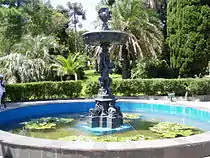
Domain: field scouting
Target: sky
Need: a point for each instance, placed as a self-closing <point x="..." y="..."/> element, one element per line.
<point x="88" y="5"/>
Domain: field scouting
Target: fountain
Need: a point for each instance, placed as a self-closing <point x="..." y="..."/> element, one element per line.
<point x="105" y="114"/>
<point x="105" y="117"/>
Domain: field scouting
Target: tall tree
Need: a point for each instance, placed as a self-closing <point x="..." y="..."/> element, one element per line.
<point x="143" y="26"/>
<point x="40" y="18"/>
<point x="188" y="36"/>
<point x="13" y="19"/>
<point x="160" y="6"/>
<point x="20" y="17"/>
<point x="76" y="11"/>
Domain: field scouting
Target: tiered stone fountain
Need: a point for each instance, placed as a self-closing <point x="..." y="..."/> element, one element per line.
<point x="105" y="114"/>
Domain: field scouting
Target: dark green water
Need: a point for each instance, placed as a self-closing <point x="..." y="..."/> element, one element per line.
<point x="68" y="132"/>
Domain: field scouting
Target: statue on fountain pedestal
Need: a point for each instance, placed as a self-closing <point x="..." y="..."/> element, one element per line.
<point x="105" y="68"/>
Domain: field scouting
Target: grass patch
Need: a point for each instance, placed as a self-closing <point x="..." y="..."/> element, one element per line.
<point x="92" y="75"/>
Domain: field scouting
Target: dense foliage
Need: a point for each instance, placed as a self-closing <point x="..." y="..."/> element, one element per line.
<point x="69" y="66"/>
<point x="188" y="36"/>
<point x="151" y="68"/>
<point x="32" y="34"/>
<point x="144" y="29"/>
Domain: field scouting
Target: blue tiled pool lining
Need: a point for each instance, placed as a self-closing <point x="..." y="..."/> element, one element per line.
<point x="162" y="112"/>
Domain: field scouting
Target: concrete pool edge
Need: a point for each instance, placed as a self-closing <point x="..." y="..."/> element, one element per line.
<point x="17" y="146"/>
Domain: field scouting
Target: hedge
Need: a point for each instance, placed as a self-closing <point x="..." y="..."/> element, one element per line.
<point x="74" y="89"/>
<point x="154" y="87"/>
<point x="43" y="90"/>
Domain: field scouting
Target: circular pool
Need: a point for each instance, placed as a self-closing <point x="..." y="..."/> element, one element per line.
<point x="192" y="114"/>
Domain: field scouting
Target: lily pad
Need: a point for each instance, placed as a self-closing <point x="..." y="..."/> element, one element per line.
<point x="46" y="123"/>
<point x="173" y="130"/>
<point x="106" y="139"/>
<point x="131" y="116"/>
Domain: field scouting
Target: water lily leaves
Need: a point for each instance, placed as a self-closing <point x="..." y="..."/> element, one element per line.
<point x="131" y="116"/>
<point x="173" y="130"/>
<point x="46" y="123"/>
<point x="106" y="139"/>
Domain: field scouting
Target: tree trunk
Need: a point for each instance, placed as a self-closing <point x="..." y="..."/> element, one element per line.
<point x="68" y="77"/>
<point x="153" y="3"/>
<point x="75" y="31"/>
<point x="76" y="77"/>
<point x="17" y="76"/>
<point x="96" y="65"/>
<point x="126" y="71"/>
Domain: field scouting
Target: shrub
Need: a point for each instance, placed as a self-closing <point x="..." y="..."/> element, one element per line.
<point x="73" y="89"/>
<point x="199" y="86"/>
<point x="151" y="68"/>
<point x="43" y="90"/>
<point x="156" y="87"/>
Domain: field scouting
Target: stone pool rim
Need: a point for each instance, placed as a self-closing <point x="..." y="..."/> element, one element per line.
<point x="45" y="145"/>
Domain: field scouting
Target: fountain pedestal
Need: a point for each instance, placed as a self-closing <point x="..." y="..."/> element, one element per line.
<point x="105" y="114"/>
<point x="93" y="121"/>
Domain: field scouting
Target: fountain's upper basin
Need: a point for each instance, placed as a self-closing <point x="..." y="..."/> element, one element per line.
<point x="105" y="37"/>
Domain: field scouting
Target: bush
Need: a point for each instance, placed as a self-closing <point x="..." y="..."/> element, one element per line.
<point x="151" y="68"/>
<point x="199" y="86"/>
<point x="153" y="87"/>
<point x="73" y="89"/>
<point x="43" y="90"/>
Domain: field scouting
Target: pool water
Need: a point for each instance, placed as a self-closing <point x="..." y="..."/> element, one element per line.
<point x="140" y="126"/>
<point x="151" y="114"/>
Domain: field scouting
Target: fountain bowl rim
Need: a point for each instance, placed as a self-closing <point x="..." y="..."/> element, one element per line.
<point x="105" y="31"/>
<point x="106" y="34"/>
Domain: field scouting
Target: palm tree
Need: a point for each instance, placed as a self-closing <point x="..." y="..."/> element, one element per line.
<point x="30" y="59"/>
<point x="37" y="47"/>
<point x="143" y="26"/>
<point x="22" y="68"/>
<point x="68" y="66"/>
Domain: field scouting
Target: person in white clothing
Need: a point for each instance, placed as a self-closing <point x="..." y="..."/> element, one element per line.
<point x="1" y="94"/>
<point x="2" y="90"/>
